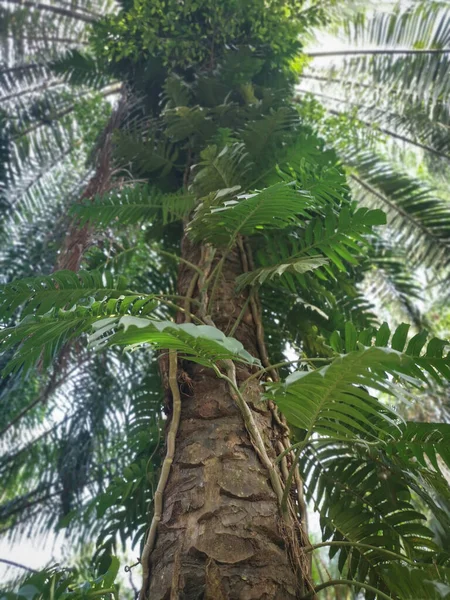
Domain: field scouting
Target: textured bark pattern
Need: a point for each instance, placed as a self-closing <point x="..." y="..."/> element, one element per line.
<point x="220" y="537"/>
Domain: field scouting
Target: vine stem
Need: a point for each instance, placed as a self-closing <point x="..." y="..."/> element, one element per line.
<point x="240" y="317"/>
<point x="287" y="488"/>
<point x="165" y="471"/>
<point x="189" y="294"/>
<point x="252" y="428"/>
<point x="333" y="582"/>
<point x="182" y="260"/>
<point x="360" y="545"/>
<point x="188" y="314"/>
<point x="207" y="256"/>
<point x="284" y="363"/>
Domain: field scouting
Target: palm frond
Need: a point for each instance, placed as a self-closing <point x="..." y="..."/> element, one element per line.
<point x="331" y="238"/>
<point x="140" y="203"/>
<point x="421" y="219"/>
<point x="420" y="27"/>
<point x="277" y="206"/>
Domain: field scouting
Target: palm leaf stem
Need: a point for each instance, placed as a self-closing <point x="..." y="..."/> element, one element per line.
<point x="11" y="457"/>
<point x="107" y="91"/>
<point x="336" y="80"/>
<point x="11" y="563"/>
<point x="375" y="52"/>
<point x="49" y="388"/>
<point x="38" y="88"/>
<point x="388" y="132"/>
<point x="53" y="40"/>
<point x="65" y="12"/>
<point x="395" y="208"/>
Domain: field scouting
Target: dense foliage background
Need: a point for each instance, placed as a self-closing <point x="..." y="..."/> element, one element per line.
<point x="115" y="120"/>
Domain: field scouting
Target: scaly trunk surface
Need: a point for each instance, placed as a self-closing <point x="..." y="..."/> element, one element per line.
<point x="221" y="534"/>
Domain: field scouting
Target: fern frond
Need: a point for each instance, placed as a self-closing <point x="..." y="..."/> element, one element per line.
<point x="364" y="500"/>
<point x="421" y="356"/>
<point x="410" y="583"/>
<point x="147" y="155"/>
<point x="331" y="238"/>
<point x="185" y="122"/>
<point x="61" y="290"/>
<point x="134" y="205"/>
<point x="333" y="401"/>
<point x="221" y="169"/>
<point x="295" y="265"/>
<point x="275" y="207"/>
<point x="428" y="443"/>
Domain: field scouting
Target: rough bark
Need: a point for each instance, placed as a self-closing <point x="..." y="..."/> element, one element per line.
<point x="221" y="536"/>
<point x="78" y="239"/>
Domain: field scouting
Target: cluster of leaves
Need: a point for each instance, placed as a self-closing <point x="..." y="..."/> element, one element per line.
<point x="64" y="585"/>
<point x="212" y="127"/>
<point x="197" y="33"/>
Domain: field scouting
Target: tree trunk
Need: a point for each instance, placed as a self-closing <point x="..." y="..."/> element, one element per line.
<point x="221" y="535"/>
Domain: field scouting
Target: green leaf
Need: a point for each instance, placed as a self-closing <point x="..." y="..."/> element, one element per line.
<point x="295" y="265"/>
<point x="333" y="400"/>
<point x="62" y="289"/>
<point x="200" y="343"/>
<point x="275" y="207"/>
<point x="140" y="203"/>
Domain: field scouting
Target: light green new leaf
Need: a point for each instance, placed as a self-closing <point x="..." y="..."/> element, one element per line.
<point x="200" y="343"/>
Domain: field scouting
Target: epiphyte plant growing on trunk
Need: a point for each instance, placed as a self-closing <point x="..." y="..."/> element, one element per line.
<point x="231" y="212"/>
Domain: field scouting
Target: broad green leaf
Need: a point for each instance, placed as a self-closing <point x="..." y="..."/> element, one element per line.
<point x="200" y="343"/>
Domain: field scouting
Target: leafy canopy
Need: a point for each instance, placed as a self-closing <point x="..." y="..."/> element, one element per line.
<point x="207" y="140"/>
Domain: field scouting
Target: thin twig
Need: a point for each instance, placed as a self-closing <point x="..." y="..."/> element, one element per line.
<point x="182" y="260"/>
<point x="18" y="565"/>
